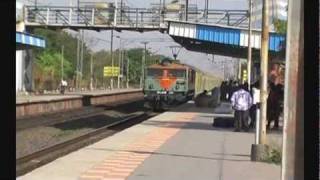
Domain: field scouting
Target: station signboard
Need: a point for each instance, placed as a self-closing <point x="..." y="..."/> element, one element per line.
<point x="109" y="71"/>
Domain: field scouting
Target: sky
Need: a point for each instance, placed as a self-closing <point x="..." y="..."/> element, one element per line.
<point x="201" y="61"/>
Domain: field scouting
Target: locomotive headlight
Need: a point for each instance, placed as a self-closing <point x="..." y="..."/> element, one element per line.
<point x="180" y="85"/>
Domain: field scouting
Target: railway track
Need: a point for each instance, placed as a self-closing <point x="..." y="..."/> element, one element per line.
<point x="36" y="159"/>
<point x="59" y="117"/>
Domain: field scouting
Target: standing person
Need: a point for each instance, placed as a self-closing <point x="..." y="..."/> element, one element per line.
<point x="253" y="108"/>
<point x="280" y="88"/>
<point x="223" y="91"/>
<point x="63" y="86"/>
<point x="241" y="101"/>
<point x="228" y="90"/>
<point x="234" y="87"/>
<point x="274" y="105"/>
<point x="246" y="86"/>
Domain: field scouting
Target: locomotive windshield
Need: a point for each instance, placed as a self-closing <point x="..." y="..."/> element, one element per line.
<point x="177" y="73"/>
<point x="154" y="72"/>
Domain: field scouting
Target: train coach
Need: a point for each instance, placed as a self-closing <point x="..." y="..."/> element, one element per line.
<point x="168" y="84"/>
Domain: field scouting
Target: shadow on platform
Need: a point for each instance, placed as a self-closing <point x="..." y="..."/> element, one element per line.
<point x="188" y="125"/>
<point x="220" y="126"/>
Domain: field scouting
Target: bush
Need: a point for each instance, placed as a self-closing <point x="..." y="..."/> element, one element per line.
<point x="274" y="156"/>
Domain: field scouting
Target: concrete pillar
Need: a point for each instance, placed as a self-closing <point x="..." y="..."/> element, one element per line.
<point x="19" y="70"/>
<point x="27" y="79"/>
<point x="20" y="62"/>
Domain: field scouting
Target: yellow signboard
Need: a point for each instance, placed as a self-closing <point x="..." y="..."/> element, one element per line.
<point x="109" y="71"/>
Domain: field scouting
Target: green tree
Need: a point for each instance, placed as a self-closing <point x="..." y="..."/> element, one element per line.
<point x="135" y="56"/>
<point x="100" y="60"/>
<point x="48" y="69"/>
<point x="54" y="42"/>
<point x="280" y="26"/>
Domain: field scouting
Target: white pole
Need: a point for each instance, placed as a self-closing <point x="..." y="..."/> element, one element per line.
<point x="115" y="13"/>
<point x="122" y="66"/>
<point x="249" y="46"/>
<point x="91" y="73"/>
<point x="62" y="48"/>
<point x="257" y="124"/>
<point x="119" y="62"/>
<point x="81" y="57"/>
<point x="127" y="78"/>
<point x="264" y="71"/>
<point x="112" y="63"/>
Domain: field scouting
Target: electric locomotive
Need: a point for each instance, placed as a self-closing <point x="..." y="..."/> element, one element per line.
<point x="168" y="84"/>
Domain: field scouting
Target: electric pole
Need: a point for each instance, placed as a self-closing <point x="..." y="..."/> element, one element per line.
<point x="258" y="151"/>
<point x="143" y="64"/>
<point x="292" y="166"/>
<point x="121" y="6"/>
<point x="160" y="12"/>
<point x="249" y="62"/>
<point x="78" y="61"/>
<point x="62" y="48"/>
<point x="81" y="57"/>
<point x="127" y="77"/>
<point x="111" y="49"/>
<point x="119" y="61"/>
<point x="115" y="13"/>
<point x="186" y="10"/>
<point x="91" y="72"/>
<point x="122" y="67"/>
<point x="78" y="4"/>
<point x="206" y="10"/>
<point x="264" y="71"/>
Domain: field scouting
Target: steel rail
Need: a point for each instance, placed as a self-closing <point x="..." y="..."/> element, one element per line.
<point x="22" y="162"/>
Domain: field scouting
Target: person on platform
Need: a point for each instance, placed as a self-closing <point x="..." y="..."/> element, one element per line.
<point x="228" y="90"/>
<point x="246" y="86"/>
<point x="253" y="108"/>
<point x="223" y="91"/>
<point x="274" y="105"/>
<point x="241" y="101"/>
<point x="234" y="87"/>
<point x="63" y="86"/>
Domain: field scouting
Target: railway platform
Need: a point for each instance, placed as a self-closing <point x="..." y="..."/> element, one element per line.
<point x="177" y="144"/>
<point x="68" y="95"/>
<point x="32" y="105"/>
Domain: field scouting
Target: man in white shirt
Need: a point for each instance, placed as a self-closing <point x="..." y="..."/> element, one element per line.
<point x="241" y="101"/>
<point x="63" y="86"/>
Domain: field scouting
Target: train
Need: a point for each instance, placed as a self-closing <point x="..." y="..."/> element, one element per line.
<point x="168" y="84"/>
